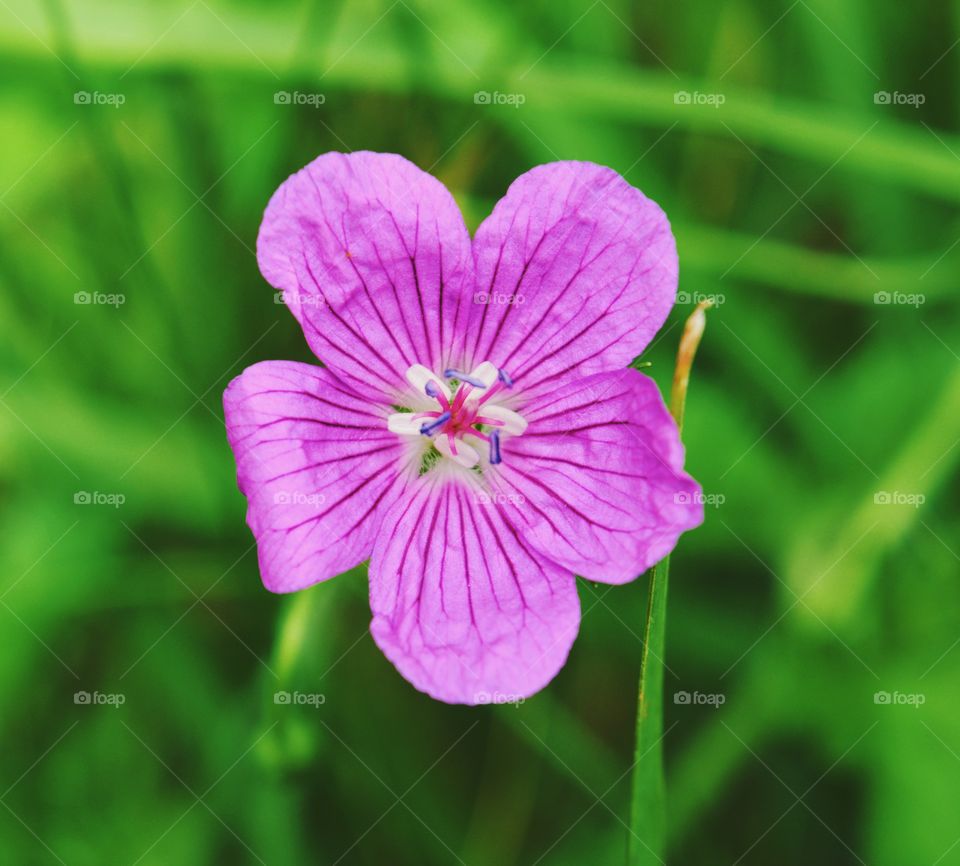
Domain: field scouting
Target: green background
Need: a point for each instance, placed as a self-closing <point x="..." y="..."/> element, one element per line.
<point x="796" y="198"/>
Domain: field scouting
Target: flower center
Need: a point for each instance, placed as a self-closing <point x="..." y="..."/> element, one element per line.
<point x="468" y="410"/>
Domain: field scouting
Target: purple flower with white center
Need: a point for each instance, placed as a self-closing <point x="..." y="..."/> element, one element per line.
<point x="474" y="432"/>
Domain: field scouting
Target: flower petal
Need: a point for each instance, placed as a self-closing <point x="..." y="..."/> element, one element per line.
<point x="576" y="270"/>
<point x="462" y="605"/>
<point x="373" y="258"/>
<point x="316" y="464"/>
<point x="596" y="482"/>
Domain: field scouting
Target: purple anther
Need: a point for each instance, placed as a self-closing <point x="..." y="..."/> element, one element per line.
<point x="433" y="426"/>
<point x="504" y="377"/>
<point x="495" y="447"/>
<point x="431" y="389"/>
<point x="464" y="377"/>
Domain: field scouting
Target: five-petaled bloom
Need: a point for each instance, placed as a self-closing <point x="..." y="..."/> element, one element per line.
<point x="475" y="432"/>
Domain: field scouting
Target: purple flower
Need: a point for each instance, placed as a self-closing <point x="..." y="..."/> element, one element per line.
<point x="474" y="432"/>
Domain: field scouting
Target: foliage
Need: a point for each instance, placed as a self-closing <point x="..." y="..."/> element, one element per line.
<point x="823" y="421"/>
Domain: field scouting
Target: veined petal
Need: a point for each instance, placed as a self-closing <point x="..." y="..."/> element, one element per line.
<point x="576" y="270"/>
<point x="596" y="482"/>
<point x="316" y="464"/>
<point x="462" y="604"/>
<point x="373" y="258"/>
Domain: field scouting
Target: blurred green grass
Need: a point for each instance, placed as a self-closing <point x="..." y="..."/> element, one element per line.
<point x="794" y="202"/>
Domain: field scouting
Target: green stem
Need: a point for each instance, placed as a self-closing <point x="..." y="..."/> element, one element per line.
<point x="648" y="814"/>
<point x="648" y="825"/>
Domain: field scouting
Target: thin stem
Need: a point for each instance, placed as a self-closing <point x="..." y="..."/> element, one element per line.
<point x="647" y="841"/>
<point x="648" y="825"/>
